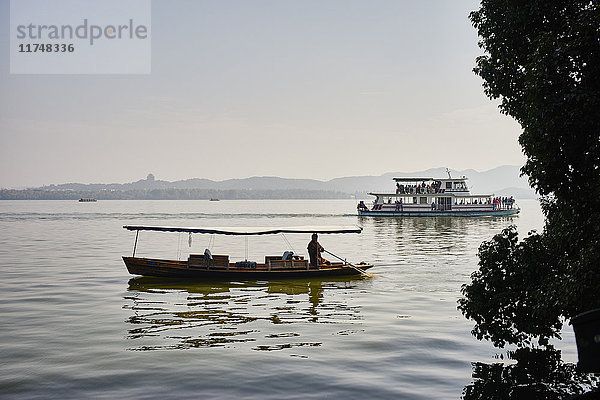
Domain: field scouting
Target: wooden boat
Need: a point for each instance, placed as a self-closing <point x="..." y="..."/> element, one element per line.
<point x="436" y="197"/>
<point x="219" y="267"/>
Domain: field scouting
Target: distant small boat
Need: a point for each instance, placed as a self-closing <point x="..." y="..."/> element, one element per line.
<point x="87" y="200"/>
<point x="214" y="199"/>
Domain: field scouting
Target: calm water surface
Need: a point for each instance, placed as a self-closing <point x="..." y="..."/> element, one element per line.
<point x="76" y="325"/>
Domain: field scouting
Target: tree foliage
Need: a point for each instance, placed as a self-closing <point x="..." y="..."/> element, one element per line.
<point x="508" y="302"/>
<point x="542" y="60"/>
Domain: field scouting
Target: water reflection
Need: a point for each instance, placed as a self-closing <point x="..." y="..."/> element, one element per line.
<point x="456" y="228"/>
<point x="537" y="374"/>
<point x="174" y="314"/>
<point x="431" y="241"/>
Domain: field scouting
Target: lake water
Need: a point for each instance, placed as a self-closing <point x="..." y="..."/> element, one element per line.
<point x="75" y="324"/>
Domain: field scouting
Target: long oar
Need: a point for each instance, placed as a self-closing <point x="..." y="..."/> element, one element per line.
<point x="362" y="271"/>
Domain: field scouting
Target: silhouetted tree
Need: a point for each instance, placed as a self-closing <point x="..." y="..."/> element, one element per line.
<point x="542" y="60"/>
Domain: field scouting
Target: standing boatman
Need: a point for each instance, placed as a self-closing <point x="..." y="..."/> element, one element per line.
<point x="314" y="252"/>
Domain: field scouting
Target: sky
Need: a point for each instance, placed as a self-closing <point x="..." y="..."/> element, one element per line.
<point x="293" y="88"/>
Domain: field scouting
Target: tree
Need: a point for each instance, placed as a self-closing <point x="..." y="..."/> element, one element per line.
<point x="542" y="60"/>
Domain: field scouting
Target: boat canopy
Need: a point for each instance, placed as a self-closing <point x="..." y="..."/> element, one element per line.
<point x="248" y="231"/>
<point x="442" y="194"/>
<point x="413" y="179"/>
<point x="429" y="179"/>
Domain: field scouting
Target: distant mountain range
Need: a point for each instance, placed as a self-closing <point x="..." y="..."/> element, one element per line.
<point x="501" y="181"/>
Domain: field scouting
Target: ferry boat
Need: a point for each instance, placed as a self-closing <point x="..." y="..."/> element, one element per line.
<point x="421" y="197"/>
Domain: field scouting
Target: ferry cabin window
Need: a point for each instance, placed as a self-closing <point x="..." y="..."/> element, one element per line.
<point x="414" y="200"/>
<point x="423" y="200"/>
<point x="448" y="185"/>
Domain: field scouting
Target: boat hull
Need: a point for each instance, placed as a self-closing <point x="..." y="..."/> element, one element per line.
<point x="180" y="269"/>
<point x="483" y="213"/>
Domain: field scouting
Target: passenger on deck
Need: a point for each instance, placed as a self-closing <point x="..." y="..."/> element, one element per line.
<point x="314" y="252"/>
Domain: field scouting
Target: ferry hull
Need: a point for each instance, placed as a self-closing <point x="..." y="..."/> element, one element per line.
<point x="483" y="213"/>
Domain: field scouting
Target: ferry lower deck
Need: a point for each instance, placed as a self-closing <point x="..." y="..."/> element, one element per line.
<point x="439" y="213"/>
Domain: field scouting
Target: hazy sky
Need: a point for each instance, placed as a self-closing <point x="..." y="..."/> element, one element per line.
<point x="300" y="89"/>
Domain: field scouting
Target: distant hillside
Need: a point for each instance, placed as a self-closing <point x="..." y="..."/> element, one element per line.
<point x="150" y="183"/>
<point x="492" y="181"/>
<point x="502" y="181"/>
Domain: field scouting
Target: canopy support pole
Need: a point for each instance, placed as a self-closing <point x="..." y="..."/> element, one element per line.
<point x="135" y="244"/>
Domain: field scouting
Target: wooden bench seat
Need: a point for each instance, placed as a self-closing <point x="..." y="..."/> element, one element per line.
<point x="217" y="262"/>
<point x="273" y="264"/>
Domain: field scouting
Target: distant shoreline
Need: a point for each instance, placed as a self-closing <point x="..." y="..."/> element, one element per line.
<point x="173" y="194"/>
